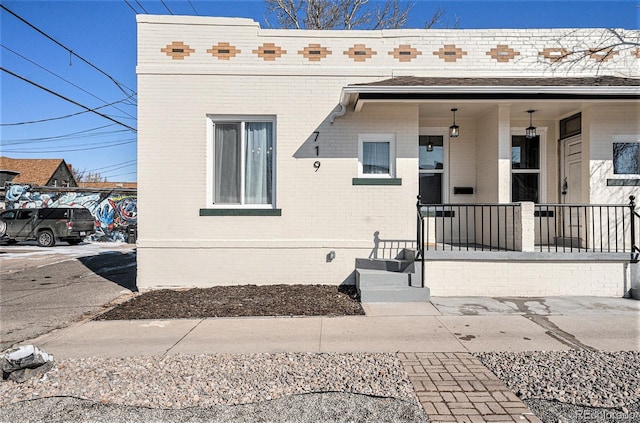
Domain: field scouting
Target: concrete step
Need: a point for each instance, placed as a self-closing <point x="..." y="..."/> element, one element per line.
<point x="391" y="265"/>
<point x="385" y="286"/>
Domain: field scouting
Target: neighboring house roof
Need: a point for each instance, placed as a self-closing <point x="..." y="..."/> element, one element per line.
<point x="32" y="171"/>
<point x="131" y="185"/>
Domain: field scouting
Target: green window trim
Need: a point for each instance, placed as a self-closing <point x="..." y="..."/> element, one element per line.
<point x="376" y="181"/>
<point x="241" y="212"/>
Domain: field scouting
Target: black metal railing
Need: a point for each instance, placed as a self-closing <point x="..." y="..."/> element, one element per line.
<point x="594" y="228"/>
<point x="468" y="227"/>
<point x="561" y="228"/>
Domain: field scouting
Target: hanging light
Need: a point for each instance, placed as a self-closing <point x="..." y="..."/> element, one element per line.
<point x="454" y="130"/>
<point x="531" y="130"/>
<point x="429" y="146"/>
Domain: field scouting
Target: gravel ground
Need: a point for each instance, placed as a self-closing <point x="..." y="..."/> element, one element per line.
<point x="217" y="385"/>
<point x="572" y="386"/>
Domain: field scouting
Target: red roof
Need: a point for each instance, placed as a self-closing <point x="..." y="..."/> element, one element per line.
<point x="32" y="171"/>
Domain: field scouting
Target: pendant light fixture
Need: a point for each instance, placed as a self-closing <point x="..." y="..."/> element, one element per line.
<point x="454" y="130"/>
<point x="531" y="130"/>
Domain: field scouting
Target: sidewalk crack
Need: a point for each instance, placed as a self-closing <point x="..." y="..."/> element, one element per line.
<point x="184" y="336"/>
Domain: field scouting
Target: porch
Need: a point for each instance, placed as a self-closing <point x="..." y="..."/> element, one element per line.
<point x="522" y="249"/>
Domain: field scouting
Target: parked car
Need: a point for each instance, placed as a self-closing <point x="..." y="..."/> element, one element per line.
<point x="46" y="225"/>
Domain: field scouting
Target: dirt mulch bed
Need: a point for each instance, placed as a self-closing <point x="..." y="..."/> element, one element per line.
<point x="239" y="301"/>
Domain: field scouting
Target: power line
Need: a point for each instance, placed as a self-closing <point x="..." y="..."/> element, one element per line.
<point x="194" y="9"/>
<point x="67" y="99"/>
<point x="100" y="145"/>
<point x="65" y="80"/>
<point x="166" y="7"/>
<point x="123" y="174"/>
<point x="118" y="84"/>
<point x="128" y="163"/>
<point x="134" y="10"/>
<point x="84" y="131"/>
<point x="115" y="169"/>
<point x="60" y="117"/>
<point x="142" y="7"/>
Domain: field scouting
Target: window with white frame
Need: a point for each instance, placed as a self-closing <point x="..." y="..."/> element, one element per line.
<point x="626" y="158"/>
<point x="377" y="155"/>
<point x="525" y="168"/>
<point x="243" y="159"/>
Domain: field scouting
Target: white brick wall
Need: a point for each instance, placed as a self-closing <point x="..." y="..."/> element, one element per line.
<point x="525" y="279"/>
<point x="321" y="211"/>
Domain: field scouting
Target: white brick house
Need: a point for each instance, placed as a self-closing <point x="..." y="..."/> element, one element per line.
<point x="302" y="151"/>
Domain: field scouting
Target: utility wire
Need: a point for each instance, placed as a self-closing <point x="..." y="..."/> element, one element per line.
<point x="166" y="7"/>
<point x="102" y="145"/>
<point x="118" y="84"/>
<point x="116" y="169"/>
<point x="84" y="131"/>
<point x="123" y="174"/>
<point x="67" y="99"/>
<point x="142" y="7"/>
<point x="134" y="10"/>
<point x="60" y="117"/>
<point x="194" y="9"/>
<point x="65" y="80"/>
<point x="128" y="163"/>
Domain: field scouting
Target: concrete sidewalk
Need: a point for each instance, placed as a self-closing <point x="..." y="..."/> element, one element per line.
<point x="433" y="341"/>
<point x="444" y="325"/>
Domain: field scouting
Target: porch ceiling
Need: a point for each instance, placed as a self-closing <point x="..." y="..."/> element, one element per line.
<point x="473" y="110"/>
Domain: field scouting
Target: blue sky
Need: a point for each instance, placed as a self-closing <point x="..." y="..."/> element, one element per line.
<point x="104" y="33"/>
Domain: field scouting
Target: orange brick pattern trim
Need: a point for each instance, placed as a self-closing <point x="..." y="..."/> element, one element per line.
<point x="405" y="53"/>
<point x="360" y="53"/>
<point x="315" y="52"/>
<point x="456" y="387"/>
<point x="177" y="50"/>
<point x="223" y="51"/>
<point x="503" y="53"/>
<point x="450" y="53"/>
<point x="602" y="54"/>
<point x="555" y="54"/>
<point x="269" y="52"/>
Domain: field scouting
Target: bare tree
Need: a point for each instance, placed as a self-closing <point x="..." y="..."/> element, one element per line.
<point x="592" y="51"/>
<point x="84" y="176"/>
<point x="344" y="14"/>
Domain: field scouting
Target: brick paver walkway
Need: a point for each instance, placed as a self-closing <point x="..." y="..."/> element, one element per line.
<point x="456" y="387"/>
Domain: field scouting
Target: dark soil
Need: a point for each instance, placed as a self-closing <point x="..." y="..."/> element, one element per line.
<point x="240" y="301"/>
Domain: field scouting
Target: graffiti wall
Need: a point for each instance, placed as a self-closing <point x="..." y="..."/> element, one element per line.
<point x="114" y="212"/>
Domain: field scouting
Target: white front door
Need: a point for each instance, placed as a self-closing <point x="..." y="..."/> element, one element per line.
<point x="572" y="218"/>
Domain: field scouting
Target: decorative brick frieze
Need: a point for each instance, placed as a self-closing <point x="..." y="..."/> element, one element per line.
<point x="223" y="51"/>
<point x="405" y="53"/>
<point x="315" y="52"/>
<point x="503" y="53"/>
<point x="555" y="54"/>
<point x="360" y="53"/>
<point x="602" y="54"/>
<point x="177" y="50"/>
<point x="450" y="53"/>
<point x="269" y="52"/>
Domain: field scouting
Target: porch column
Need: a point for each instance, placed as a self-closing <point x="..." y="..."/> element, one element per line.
<point x="504" y="153"/>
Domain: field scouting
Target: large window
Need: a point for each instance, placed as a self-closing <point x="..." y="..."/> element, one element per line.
<point x="525" y="168"/>
<point x="377" y="156"/>
<point x="243" y="161"/>
<point x="431" y="168"/>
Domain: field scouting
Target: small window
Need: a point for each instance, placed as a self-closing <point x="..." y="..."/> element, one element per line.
<point x="25" y="214"/>
<point x="571" y="126"/>
<point x="626" y="158"/>
<point x="376" y="156"/>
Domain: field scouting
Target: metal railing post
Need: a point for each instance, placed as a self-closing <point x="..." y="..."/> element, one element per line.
<point x="634" y="248"/>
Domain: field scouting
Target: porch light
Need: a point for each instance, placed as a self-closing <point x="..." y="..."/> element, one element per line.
<point x="454" y="130"/>
<point x="531" y="130"/>
<point x="429" y="146"/>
